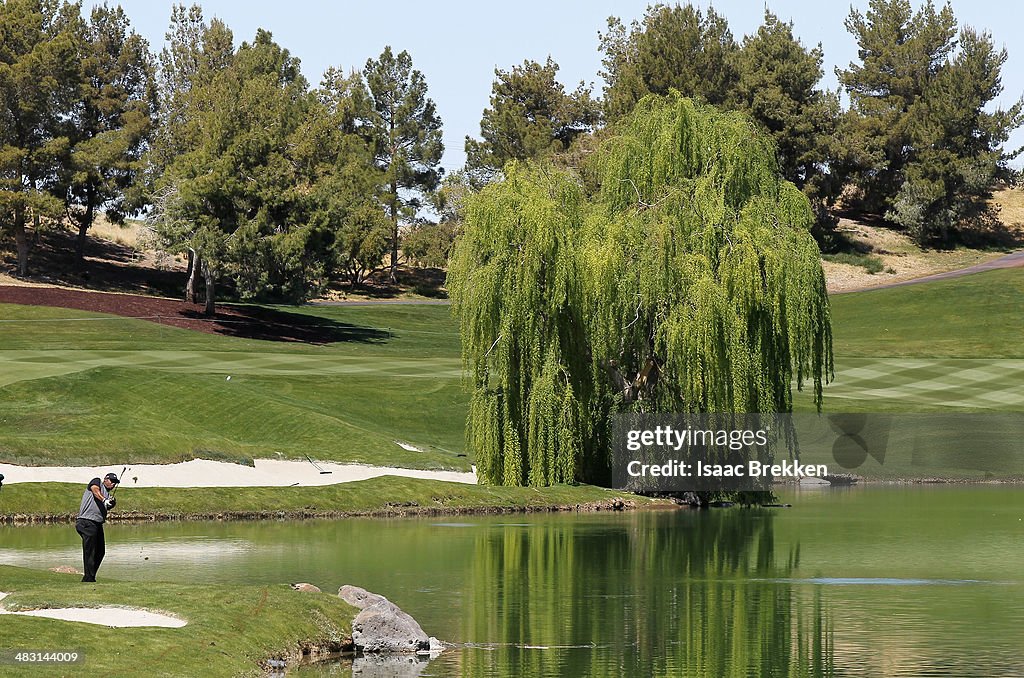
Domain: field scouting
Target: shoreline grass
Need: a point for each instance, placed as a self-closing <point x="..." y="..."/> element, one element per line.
<point x="231" y="630"/>
<point x="387" y="496"/>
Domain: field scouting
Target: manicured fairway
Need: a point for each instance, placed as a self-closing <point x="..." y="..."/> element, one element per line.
<point x="81" y="387"/>
<point x="953" y="345"/>
<point x="84" y="387"/>
<point x="924" y="384"/>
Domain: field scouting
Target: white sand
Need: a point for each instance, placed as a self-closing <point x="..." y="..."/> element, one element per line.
<point x="104" y="616"/>
<point x="205" y="473"/>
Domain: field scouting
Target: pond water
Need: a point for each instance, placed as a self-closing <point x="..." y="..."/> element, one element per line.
<point x="884" y="581"/>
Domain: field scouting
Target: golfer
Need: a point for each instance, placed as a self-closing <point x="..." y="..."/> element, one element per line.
<point x="96" y="501"/>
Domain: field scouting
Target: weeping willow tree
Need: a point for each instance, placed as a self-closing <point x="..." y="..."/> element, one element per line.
<point x="674" y="273"/>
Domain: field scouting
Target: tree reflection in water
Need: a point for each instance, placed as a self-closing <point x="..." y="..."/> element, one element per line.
<point x="655" y="595"/>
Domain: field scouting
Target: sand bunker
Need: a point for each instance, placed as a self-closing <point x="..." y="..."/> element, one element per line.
<point x="118" y="617"/>
<point x="205" y="473"/>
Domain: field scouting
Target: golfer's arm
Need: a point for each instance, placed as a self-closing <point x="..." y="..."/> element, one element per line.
<point x="96" y="492"/>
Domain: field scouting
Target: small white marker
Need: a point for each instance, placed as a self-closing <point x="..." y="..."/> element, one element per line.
<point x="228" y="378"/>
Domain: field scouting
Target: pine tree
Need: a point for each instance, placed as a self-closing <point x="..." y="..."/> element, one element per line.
<point x="39" y="78"/>
<point x="674" y="47"/>
<point x="926" y="150"/>
<point x="195" y="52"/>
<point x="113" y="122"/>
<point x="530" y="116"/>
<point x="406" y="132"/>
<point x="231" y="196"/>
<point x="777" y="86"/>
<point x="344" y="191"/>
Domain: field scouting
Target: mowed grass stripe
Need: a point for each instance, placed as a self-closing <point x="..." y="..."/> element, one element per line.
<point x="154" y="415"/>
<point x="905" y="385"/>
<point x="23" y="364"/>
<point x="94" y="392"/>
<point x="138" y="391"/>
<point x="979" y="316"/>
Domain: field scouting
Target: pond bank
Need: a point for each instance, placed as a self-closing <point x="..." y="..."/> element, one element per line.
<point x="232" y="630"/>
<point x="389" y="497"/>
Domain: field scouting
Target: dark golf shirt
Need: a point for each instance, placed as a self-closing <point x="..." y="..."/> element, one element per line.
<point x="92" y="508"/>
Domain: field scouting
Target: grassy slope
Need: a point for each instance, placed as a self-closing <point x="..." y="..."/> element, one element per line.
<point x="948" y="347"/>
<point x="231" y="630"/>
<point x="128" y="391"/>
<point x="74" y="390"/>
<point x="374" y="496"/>
<point x="953" y="345"/>
<point x="976" y="316"/>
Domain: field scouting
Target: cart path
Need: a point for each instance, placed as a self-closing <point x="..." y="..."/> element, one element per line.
<point x="1014" y="260"/>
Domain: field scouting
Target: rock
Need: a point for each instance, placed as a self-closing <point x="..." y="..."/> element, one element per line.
<point x="381" y="627"/>
<point x="357" y="597"/>
<point x="435" y="645"/>
<point x="308" y="588"/>
<point x="384" y="628"/>
<point x="65" y="569"/>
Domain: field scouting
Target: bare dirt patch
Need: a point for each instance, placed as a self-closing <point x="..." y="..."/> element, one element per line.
<point x="120" y="264"/>
<point x="901" y="258"/>
<point x="250" y="322"/>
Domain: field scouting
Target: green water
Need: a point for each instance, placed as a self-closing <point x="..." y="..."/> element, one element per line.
<point x="889" y="581"/>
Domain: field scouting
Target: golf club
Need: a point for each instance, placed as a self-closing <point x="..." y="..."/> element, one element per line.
<point x="322" y="472"/>
<point x="119" y="478"/>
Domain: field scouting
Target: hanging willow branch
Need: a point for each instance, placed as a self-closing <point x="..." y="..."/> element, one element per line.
<point x="712" y="294"/>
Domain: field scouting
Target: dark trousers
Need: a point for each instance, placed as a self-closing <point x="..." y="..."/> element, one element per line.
<point x="93" y="546"/>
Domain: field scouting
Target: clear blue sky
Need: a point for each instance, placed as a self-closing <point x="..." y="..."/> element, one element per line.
<point x="457" y="45"/>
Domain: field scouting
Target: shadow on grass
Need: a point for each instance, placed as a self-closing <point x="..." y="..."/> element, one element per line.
<point x="234" y="320"/>
<point x="271" y="324"/>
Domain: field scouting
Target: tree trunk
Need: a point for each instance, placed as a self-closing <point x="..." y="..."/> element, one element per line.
<point x="21" y="239"/>
<point x="208" y="276"/>
<point x="394" y="232"/>
<point x="193" y="267"/>
<point x="85" y="224"/>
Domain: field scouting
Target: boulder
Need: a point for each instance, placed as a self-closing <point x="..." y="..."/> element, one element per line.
<point x="357" y="597"/>
<point x="381" y="627"/>
<point x="308" y="588"/>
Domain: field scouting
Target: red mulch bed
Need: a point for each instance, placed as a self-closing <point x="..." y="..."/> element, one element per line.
<point x="251" y="322"/>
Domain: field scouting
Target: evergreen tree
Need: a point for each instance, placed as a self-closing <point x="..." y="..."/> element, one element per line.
<point x="231" y="196"/>
<point x="346" y="190"/>
<point x="195" y="52"/>
<point x="899" y="52"/>
<point x="957" y="151"/>
<point x="674" y="47"/>
<point x="686" y="282"/>
<point x="431" y="244"/>
<point x="778" y="87"/>
<point x="113" y="121"/>
<point x="406" y="132"/>
<point x="530" y="116"/>
<point x="925" y="150"/>
<point x="39" y="80"/>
